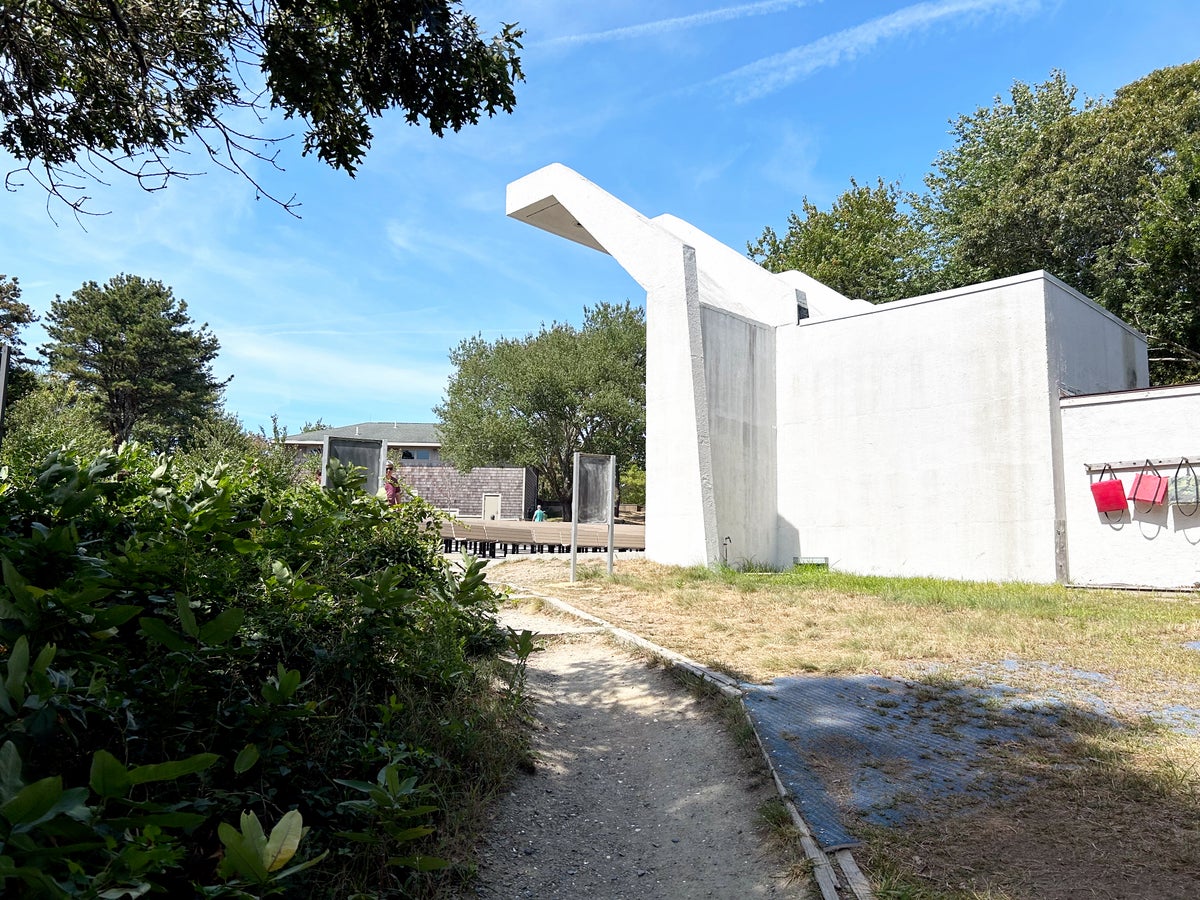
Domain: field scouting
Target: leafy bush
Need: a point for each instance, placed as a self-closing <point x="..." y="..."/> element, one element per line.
<point x="181" y="653"/>
<point x="51" y="414"/>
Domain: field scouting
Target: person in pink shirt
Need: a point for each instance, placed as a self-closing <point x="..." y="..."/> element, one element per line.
<point x="391" y="485"/>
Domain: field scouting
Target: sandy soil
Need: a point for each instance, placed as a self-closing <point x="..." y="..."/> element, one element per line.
<point x="638" y="791"/>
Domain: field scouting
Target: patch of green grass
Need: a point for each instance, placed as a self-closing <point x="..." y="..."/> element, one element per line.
<point x="781" y="833"/>
<point x="591" y="572"/>
<point x="1046" y="601"/>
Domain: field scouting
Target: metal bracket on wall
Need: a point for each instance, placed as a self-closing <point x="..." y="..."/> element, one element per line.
<point x="1165" y="462"/>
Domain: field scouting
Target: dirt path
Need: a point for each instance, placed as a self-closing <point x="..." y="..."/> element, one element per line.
<point x="638" y="791"/>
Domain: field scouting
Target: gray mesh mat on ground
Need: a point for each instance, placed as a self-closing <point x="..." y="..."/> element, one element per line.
<point x="879" y="747"/>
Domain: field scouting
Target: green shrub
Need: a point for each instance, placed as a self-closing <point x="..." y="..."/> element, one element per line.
<point x="197" y="668"/>
<point x="51" y="414"/>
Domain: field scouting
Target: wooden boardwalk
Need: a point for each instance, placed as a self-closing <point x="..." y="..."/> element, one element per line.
<point x="503" y="537"/>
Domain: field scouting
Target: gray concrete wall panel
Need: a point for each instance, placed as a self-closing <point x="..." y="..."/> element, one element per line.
<point x="739" y="359"/>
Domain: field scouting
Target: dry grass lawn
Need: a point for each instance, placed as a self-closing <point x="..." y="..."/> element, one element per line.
<point x="1117" y="810"/>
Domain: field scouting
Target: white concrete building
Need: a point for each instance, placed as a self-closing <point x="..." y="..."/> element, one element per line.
<point x="922" y="437"/>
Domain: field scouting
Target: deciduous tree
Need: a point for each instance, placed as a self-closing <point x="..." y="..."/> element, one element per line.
<point x="978" y="216"/>
<point x="536" y="401"/>
<point x="1164" y="270"/>
<point x="1099" y="197"/>
<point x="51" y="414"/>
<point x="131" y="346"/>
<point x="93" y="85"/>
<point x="1104" y="195"/>
<point x="865" y="246"/>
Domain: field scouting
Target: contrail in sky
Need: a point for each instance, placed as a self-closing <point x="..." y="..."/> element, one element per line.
<point x="773" y="73"/>
<point x="679" y="23"/>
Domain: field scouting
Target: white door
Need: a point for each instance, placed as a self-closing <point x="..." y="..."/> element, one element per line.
<point x="491" y="506"/>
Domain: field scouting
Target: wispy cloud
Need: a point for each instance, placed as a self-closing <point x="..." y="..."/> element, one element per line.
<point x="774" y="73"/>
<point x="789" y="155"/>
<point x="438" y="247"/>
<point x="272" y="362"/>
<point x="678" y="23"/>
<point x="714" y="169"/>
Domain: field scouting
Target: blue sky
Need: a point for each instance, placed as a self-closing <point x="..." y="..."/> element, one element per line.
<point x="723" y="114"/>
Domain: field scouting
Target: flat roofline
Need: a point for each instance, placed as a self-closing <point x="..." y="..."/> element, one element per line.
<point x="1130" y="395"/>
<point x="968" y="290"/>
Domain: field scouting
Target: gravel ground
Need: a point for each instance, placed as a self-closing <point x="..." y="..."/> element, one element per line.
<point x="638" y="791"/>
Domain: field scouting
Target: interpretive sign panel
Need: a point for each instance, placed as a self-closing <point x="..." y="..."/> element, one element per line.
<point x="593" y="500"/>
<point x="593" y="488"/>
<point x="362" y="452"/>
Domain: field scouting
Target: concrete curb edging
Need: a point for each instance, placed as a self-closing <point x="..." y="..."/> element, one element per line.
<point x="825" y="865"/>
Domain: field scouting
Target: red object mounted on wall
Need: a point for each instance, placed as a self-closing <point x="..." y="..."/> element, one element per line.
<point x="1148" y="486"/>
<point x="1109" y="493"/>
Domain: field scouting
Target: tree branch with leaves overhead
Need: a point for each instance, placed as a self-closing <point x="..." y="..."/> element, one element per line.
<point x="92" y="88"/>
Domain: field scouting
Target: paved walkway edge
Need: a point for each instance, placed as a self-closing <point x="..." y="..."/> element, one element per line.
<point x="833" y="885"/>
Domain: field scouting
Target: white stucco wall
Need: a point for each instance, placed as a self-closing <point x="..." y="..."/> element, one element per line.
<point x="924" y="437"/>
<point x="919" y="438"/>
<point x="1148" y="546"/>
<point x="739" y="362"/>
<point x="680" y="520"/>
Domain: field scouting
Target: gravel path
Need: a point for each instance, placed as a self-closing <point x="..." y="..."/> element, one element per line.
<point x="638" y="790"/>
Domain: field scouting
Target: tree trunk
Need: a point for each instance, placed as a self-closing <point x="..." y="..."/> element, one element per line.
<point x="564" y="499"/>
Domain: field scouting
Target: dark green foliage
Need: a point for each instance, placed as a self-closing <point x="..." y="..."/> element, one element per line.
<point x="866" y="246"/>
<point x="15" y="316"/>
<point x="193" y="666"/>
<point x="334" y="63"/>
<point x="131" y="84"/>
<point x="1163" y="269"/>
<point x="1103" y="195"/>
<point x="132" y="348"/>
